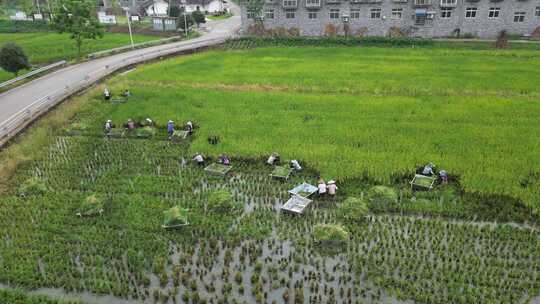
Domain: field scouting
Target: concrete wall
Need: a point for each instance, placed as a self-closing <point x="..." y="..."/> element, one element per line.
<point x="480" y="26"/>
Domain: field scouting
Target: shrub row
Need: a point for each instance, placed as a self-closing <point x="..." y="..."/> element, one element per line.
<point x="250" y="42"/>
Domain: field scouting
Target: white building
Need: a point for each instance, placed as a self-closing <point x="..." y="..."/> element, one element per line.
<point x="210" y="6"/>
<point x="158" y="8"/>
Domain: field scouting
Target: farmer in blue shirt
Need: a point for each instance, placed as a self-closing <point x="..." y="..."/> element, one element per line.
<point x="170" y="128"/>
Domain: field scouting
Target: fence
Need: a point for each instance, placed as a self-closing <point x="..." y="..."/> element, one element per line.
<point x="19" y="120"/>
<point x="135" y="46"/>
<point x="34" y="72"/>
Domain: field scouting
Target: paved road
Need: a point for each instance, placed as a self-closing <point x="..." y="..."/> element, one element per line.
<point x="51" y="88"/>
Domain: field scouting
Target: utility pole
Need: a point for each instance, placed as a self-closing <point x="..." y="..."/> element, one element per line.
<point x="185" y="17"/>
<point x="50" y="11"/>
<point x="129" y="27"/>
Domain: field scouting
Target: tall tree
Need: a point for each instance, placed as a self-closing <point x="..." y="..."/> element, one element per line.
<point x="255" y="7"/>
<point x="183" y="20"/>
<point x="13" y="59"/>
<point x="76" y="17"/>
<point x="198" y="17"/>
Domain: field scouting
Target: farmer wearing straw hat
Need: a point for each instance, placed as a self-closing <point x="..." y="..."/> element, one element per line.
<point x="106" y="94"/>
<point x="130" y="125"/>
<point x="149" y="122"/>
<point x="332" y="188"/>
<point x="170" y="128"/>
<point x="189" y="127"/>
<point x="108" y="127"/>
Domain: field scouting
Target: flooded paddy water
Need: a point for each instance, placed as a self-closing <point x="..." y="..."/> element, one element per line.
<point x="249" y="252"/>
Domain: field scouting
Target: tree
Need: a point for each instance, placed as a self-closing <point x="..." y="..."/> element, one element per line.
<point x="255" y="8"/>
<point x="198" y="17"/>
<point x="13" y="59"/>
<point x="502" y="40"/>
<point x="76" y="18"/>
<point x="185" y="19"/>
<point x="174" y="11"/>
<point x="27" y="6"/>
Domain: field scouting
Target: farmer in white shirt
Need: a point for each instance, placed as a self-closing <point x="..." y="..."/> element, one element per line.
<point x="295" y="165"/>
<point x="106" y="94"/>
<point x="108" y="127"/>
<point x="189" y="127"/>
<point x="332" y="188"/>
<point x="428" y="169"/>
<point x="199" y="159"/>
<point x="322" y="187"/>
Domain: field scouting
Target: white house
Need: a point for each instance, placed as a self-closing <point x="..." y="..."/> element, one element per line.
<point x="210" y="6"/>
<point x="106" y="19"/>
<point x="158" y="8"/>
<point x="19" y="16"/>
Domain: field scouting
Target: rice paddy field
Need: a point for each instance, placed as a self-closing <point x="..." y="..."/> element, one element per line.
<point x="366" y="117"/>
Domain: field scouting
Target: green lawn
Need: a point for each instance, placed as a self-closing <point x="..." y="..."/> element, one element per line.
<point x="44" y="48"/>
<point x="220" y="17"/>
<point x="347" y="111"/>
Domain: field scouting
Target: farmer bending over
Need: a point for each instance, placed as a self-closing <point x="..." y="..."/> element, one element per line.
<point x="199" y="159"/>
<point x="429" y="169"/>
<point x="273" y="159"/>
<point x="126" y="93"/>
<point x="149" y="122"/>
<point x="443" y="176"/>
<point x="130" y="125"/>
<point x="108" y="127"/>
<point x="295" y="165"/>
<point x="170" y="128"/>
<point x="224" y="160"/>
<point x="106" y="94"/>
<point x="189" y="127"/>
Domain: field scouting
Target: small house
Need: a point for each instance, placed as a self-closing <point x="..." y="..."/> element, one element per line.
<point x="19" y="16"/>
<point x="106" y="19"/>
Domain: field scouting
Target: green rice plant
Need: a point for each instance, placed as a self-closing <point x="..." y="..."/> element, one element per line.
<point x="353" y="209"/>
<point x="327" y="233"/>
<point x="32" y="186"/>
<point x="92" y="205"/>
<point x="221" y="200"/>
<point x="145" y="132"/>
<point x="382" y="195"/>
